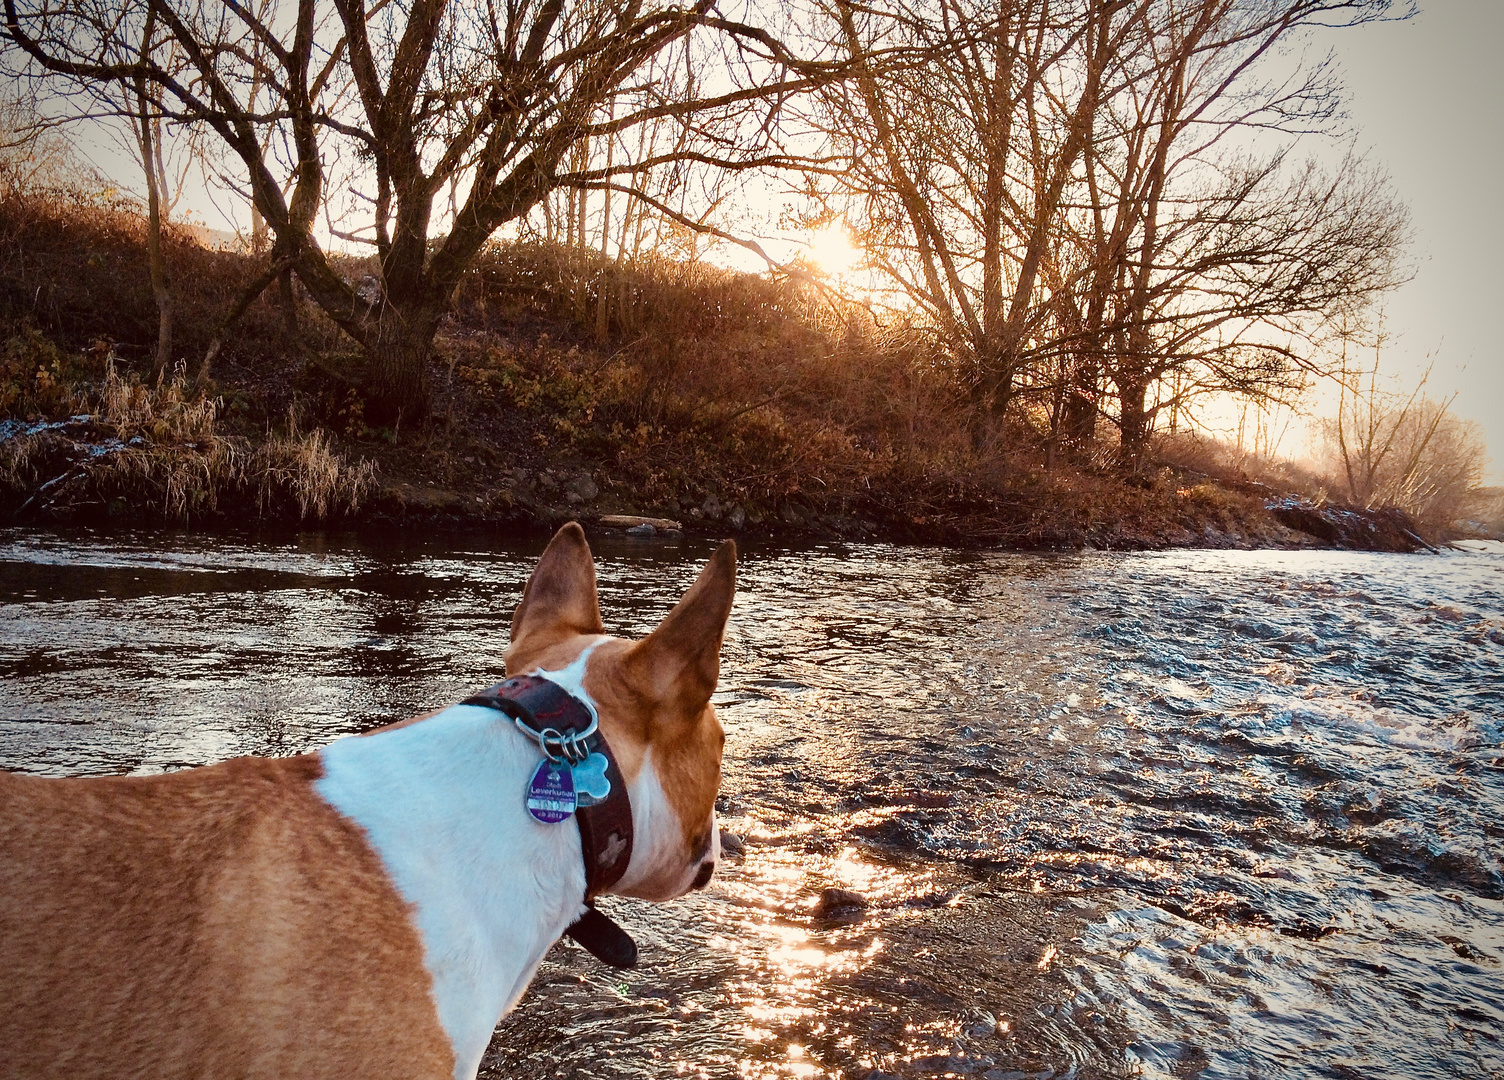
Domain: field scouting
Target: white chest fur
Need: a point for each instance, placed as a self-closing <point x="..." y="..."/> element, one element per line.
<point x="442" y="802"/>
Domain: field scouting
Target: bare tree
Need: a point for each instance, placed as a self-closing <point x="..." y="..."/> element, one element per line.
<point x="33" y="152"/>
<point x="1391" y="448"/>
<point x="481" y="103"/>
<point x="143" y="112"/>
<point x="1071" y="191"/>
<point x="130" y="109"/>
<point x="961" y="137"/>
<point x="1209" y="264"/>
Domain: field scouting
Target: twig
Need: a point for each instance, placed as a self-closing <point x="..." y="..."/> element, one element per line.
<point x="76" y="471"/>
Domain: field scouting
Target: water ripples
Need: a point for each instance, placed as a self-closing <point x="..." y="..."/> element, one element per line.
<point x="1216" y="814"/>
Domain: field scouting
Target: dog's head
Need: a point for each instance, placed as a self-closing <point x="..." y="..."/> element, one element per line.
<point x="653" y="699"/>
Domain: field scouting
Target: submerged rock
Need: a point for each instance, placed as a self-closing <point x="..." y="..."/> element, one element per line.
<point x="631" y="521"/>
<point x="835" y="902"/>
<point x="981" y="1024"/>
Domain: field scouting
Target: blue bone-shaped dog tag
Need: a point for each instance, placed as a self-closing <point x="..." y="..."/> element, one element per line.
<point x="591" y="785"/>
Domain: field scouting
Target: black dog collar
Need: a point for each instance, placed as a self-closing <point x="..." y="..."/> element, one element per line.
<point x="562" y="724"/>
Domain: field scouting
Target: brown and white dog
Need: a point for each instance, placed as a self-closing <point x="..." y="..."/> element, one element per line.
<point x="369" y="910"/>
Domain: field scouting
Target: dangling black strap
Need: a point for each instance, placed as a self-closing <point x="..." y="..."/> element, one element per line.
<point x="603" y="939"/>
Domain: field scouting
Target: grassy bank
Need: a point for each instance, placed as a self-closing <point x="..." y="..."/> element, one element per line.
<point x="566" y="385"/>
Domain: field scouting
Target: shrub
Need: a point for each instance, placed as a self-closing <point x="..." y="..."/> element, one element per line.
<point x="1416" y="455"/>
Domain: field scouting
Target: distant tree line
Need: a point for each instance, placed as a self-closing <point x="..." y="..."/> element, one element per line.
<point x="1097" y="207"/>
<point x="1406" y="449"/>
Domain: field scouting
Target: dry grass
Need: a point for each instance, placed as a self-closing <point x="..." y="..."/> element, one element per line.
<point x="309" y="470"/>
<point x="165" y="413"/>
<point x="180" y="483"/>
<point x="188" y="483"/>
<point x="700" y="381"/>
<point x="685" y="379"/>
<point x="77" y="315"/>
<point x="682" y="389"/>
<point x="155" y="447"/>
<point x="1194" y="452"/>
<point x="73" y="268"/>
<point x="17" y="454"/>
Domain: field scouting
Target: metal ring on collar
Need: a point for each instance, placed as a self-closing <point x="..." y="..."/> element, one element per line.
<point x="556" y="745"/>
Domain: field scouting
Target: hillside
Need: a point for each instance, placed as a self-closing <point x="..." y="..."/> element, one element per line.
<point x="565" y="385"/>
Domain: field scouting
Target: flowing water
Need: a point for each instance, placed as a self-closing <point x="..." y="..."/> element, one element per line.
<point x="1192" y="814"/>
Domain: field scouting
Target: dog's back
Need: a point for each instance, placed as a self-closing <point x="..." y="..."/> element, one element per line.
<point x="146" y="919"/>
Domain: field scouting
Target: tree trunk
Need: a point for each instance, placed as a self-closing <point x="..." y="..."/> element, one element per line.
<point x="1133" y="394"/>
<point x="161" y="289"/>
<point x="148" y="142"/>
<point x="996" y="369"/>
<point x="161" y="284"/>
<point x="289" y="298"/>
<point x="398" y="352"/>
<point x="1078" y="422"/>
<point x="259" y="241"/>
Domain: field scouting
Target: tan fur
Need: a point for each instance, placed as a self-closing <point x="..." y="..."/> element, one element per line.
<point x="654" y="694"/>
<point x="222" y="921"/>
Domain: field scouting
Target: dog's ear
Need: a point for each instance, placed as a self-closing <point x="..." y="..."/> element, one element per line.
<point x="560" y="597"/>
<point x="677" y="664"/>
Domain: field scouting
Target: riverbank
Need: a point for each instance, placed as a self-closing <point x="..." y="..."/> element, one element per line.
<point x="158" y="455"/>
<point x="564" y="386"/>
<point x="82" y="471"/>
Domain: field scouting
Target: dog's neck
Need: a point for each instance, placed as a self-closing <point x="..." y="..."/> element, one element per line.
<point x="490" y="887"/>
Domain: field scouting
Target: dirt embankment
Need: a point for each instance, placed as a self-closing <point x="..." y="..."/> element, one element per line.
<point x="81" y="470"/>
<point x="565" y="386"/>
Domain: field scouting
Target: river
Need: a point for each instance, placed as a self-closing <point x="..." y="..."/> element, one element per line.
<point x="1185" y="814"/>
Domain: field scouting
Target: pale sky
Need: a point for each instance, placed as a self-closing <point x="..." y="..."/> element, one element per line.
<point x="1426" y="98"/>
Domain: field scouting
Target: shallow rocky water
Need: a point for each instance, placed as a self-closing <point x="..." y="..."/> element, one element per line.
<point x="1189" y="814"/>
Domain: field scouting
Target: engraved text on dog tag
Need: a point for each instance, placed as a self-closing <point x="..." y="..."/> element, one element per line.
<point x="550" y="797"/>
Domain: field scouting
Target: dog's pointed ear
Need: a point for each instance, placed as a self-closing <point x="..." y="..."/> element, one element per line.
<point x="560" y="598"/>
<point x="677" y="665"/>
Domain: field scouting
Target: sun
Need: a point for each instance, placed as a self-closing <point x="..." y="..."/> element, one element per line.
<point x="831" y="249"/>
